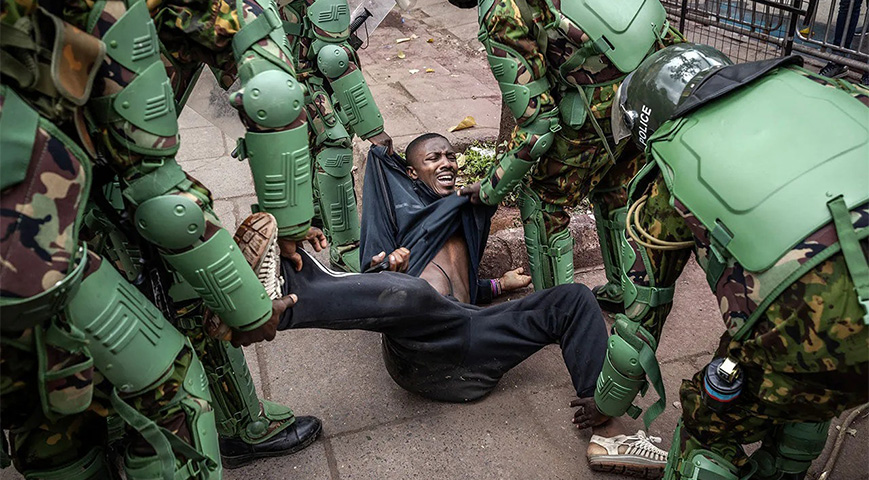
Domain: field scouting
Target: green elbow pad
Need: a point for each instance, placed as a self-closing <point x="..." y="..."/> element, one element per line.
<point x="221" y="276"/>
<point x="131" y="342"/>
<point x="503" y="179"/>
<point x="281" y="167"/>
<point x="357" y="107"/>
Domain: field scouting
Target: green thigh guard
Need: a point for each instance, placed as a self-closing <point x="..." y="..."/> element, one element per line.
<point x="550" y="257"/>
<point x="337" y="199"/>
<point x="122" y="329"/>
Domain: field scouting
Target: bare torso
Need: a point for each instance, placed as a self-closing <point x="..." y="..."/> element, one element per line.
<point x="448" y="270"/>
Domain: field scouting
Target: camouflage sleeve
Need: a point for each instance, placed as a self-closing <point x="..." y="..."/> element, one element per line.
<point x="660" y="219"/>
<point x="504" y="24"/>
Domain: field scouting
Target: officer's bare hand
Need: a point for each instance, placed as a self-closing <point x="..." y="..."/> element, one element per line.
<point x="289" y="248"/>
<point x="384" y="140"/>
<point x="398" y="259"/>
<point x="267" y="330"/>
<point x="472" y="192"/>
<point x="514" y="280"/>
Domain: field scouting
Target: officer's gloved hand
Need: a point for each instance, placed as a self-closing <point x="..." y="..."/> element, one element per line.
<point x="288" y="247"/>
<point x="383" y="139"/>
<point x="472" y="192"/>
<point x="267" y="330"/>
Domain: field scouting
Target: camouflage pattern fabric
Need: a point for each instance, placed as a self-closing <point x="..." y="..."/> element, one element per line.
<point x="806" y="359"/>
<point x="577" y="165"/>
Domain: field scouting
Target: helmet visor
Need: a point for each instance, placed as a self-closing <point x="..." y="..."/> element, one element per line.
<point x="620" y="128"/>
<point x="405" y="4"/>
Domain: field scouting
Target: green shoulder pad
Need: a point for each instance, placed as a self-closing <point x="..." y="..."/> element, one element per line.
<point x="332" y="16"/>
<point x="761" y="195"/>
<point x="132" y="41"/>
<point x="624" y="31"/>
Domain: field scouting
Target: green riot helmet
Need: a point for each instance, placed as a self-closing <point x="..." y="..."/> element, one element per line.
<point x="650" y="94"/>
<point x="464" y="3"/>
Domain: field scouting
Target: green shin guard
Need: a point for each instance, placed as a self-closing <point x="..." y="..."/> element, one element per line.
<point x="790" y="450"/>
<point x="218" y="272"/>
<point x="550" y="258"/>
<point x="337" y="199"/>
<point x="238" y="410"/>
<point x="92" y="466"/>
<point x="281" y="169"/>
<point x="697" y="464"/>
<point x="609" y="226"/>
<point x="201" y="460"/>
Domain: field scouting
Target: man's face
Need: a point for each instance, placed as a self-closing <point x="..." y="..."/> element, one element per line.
<point x="434" y="163"/>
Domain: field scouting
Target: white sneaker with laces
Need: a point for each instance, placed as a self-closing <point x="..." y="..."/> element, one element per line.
<point x="634" y="455"/>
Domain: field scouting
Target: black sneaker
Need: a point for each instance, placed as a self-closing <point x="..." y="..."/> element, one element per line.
<point x="834" y="70"/>
<point x="235" y="452"/>
<point x="864" y="80"/>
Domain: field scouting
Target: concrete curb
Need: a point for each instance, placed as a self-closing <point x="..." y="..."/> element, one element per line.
<point x="506" y="248"/>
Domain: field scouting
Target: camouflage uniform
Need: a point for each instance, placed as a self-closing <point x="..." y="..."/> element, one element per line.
<point x="55" y="398"/>
<point x="805" y="360"/>
<point x="578" y="164"/>
<point x="194" y="35"/>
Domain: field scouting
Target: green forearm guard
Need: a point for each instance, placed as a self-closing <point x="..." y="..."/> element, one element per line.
<point x="622" y="377"/>
<point x="219" y="274"/>
<point x="281" y="167"/>
<point x="130" y="341"/>
<point x="356" y="105"/>
<point x="538" y="139"/>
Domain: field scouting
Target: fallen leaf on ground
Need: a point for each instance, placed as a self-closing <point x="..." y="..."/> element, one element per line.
<point x="429" y="70"/>
<point x="401" y="54"/>
<point x="430" y="40"/>
<point x="468" y="122"/>
<point x="402" y="40"/>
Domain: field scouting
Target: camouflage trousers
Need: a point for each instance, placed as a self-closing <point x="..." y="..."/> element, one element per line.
<point x="805" y="360"/>
<point x="577" y="166"/>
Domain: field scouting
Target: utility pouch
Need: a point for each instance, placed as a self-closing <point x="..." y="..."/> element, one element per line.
<point x="572" y="109"/>
<point x="65" y="369"/>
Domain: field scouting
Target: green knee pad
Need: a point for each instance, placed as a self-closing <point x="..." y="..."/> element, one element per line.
<point x="201" y="460"/>
<point x="790" y="449"/>
<point x="696" y="464"/>
<point x="337" y="200"/>
<point x="550" y="258"/>
<point x="92" y="466"/>
<point x="236" y="405"/>
<point x="609" y="227"/>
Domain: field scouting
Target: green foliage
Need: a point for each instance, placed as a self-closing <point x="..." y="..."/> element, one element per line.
<point x="475" y="163"/>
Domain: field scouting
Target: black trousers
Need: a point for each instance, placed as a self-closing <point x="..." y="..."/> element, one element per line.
<point x="442" y="349"/>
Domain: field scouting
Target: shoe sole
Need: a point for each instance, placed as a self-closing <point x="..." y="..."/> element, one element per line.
<point x="649" y="472"/>
<point x="231" y="463"/>
<point x="254" y="237"/>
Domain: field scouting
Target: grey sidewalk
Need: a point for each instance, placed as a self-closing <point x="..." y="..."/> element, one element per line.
<point x="372" y="428"/>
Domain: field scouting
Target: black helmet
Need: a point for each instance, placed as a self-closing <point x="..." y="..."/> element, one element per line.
<point x="650" y="94"/>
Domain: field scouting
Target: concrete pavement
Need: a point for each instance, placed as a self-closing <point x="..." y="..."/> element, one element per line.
<point x="373" y="428"/>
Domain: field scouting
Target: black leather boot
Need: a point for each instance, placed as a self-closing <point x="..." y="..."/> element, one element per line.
<point x="235" y="452"/>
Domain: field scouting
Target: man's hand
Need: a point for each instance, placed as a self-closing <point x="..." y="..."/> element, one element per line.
<point x="514" y="280"/>
<point x="472" y="192"/>
<point x="384" y="140"/>
<point x="267" y="330"/>
<point x="398" y="260"/>
<point x="288" y="247"/>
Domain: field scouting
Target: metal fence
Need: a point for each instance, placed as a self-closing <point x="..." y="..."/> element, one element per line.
<point x="748" y="30"/>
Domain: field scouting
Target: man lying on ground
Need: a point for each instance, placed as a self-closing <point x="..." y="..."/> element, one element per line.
<point x="412" y="212"/>
<point x="442" y="349"/>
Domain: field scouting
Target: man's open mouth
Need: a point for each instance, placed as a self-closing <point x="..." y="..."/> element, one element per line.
<point x="447" y="179"/>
